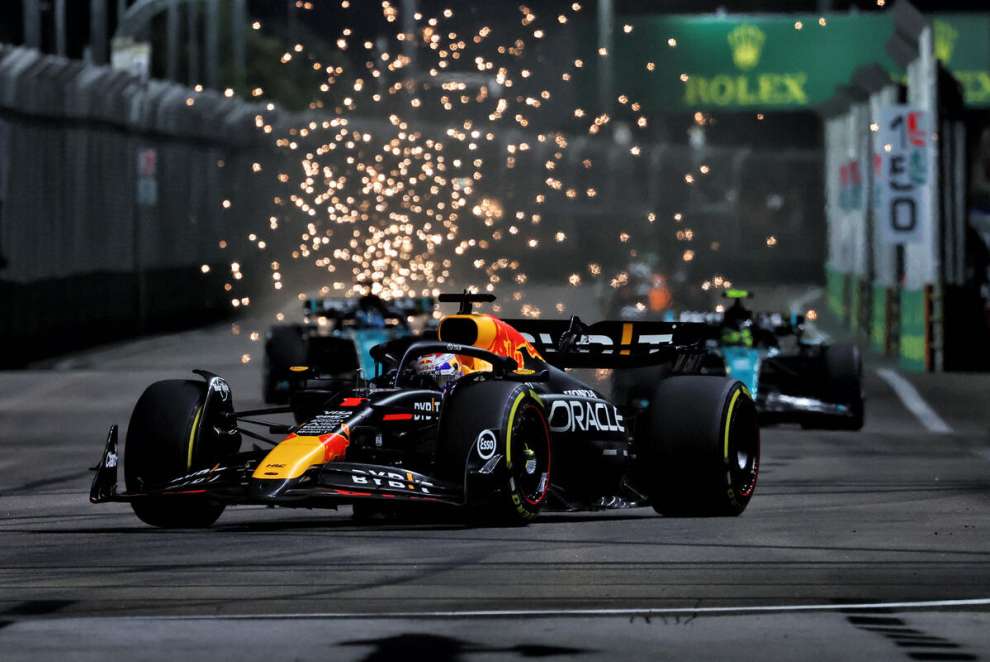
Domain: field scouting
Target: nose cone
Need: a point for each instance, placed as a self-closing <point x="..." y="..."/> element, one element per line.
<point x="268" y="489"/>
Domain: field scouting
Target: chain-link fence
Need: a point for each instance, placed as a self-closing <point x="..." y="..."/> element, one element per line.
<point x="111" y="200"/>
<point x="756" y="216"/>
<point x="112" y="192"/>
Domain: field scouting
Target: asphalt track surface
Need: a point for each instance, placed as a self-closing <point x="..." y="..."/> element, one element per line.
<point x="885" y="518"/>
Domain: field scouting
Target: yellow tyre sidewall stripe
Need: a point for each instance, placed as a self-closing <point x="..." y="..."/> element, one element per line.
<point x="728" y="422"/>
<point x="508" y="431"/>
<point x="192" y="437"/>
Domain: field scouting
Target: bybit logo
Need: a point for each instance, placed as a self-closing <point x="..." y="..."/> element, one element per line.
<point x="746" y="42"/>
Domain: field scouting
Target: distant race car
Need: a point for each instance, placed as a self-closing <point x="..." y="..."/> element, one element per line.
<point x="335" y="337"/>
<point x="483" y="418"/>
<point x="794" y="375"/>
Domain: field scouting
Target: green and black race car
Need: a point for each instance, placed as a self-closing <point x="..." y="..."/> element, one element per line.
<point x="794" y="374"/>
<point x="335" y="337"/>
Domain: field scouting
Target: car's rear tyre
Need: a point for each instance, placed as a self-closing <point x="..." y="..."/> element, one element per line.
<point x="844" y="364"/>
<point x="284" y="348"/>
<point x="699" y="449"/>
<point x="161" y="445"/>
<point x="512" y="419"/>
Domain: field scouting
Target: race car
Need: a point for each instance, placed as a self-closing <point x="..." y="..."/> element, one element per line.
<point x="794" y="375"/>
<point x="335" y="337"/>
<point x="483" y="419"/>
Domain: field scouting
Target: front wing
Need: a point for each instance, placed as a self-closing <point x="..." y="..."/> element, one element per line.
<point x="796" y="389"/>
<point x="322" y="486"/>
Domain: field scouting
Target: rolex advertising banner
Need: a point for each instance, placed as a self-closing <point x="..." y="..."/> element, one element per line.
<point x="901" y="174"/>
<point x="776" y="62"/>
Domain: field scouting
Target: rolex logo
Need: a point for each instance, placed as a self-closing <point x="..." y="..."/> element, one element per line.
<point x="945" y="41"/>
<point x="746" y="42"/>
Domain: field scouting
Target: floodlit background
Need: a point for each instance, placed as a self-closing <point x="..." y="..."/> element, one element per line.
<point x="238" y="154"/>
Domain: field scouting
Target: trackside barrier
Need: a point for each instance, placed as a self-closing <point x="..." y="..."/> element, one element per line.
<point x="903" y="286"/>
<point x="915" y="329"/>
<point x="110" y="202"/>
<point x="111" y="191"/>
<point x="835" y="292"/>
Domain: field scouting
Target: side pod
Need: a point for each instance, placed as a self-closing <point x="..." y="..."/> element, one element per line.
<point x="104" y="486"/>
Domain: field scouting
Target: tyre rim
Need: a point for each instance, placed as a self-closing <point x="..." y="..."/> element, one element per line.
<point x="530" y="450"/>
<point x="744" y="453"/>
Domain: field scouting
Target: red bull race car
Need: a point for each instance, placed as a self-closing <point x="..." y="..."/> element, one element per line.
<point x="485" y="419"/>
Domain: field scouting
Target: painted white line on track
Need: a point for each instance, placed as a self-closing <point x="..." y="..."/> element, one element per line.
<point x="557" y="613"/>
<point x="914" y="402"/>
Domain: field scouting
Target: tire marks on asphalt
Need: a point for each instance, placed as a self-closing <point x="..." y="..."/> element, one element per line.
<point x="916" y="643"/>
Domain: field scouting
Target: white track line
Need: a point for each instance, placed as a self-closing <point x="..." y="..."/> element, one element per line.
<point x="557" y="613"/>
<point x="914" y="402"/>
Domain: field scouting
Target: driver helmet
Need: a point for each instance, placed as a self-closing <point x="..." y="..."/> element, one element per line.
<point x="442" y="368"/>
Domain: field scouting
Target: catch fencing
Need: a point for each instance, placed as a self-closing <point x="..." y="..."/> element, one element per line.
<point x="111" y="192"/>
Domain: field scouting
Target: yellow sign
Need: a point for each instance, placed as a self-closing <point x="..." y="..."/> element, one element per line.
<point x="783" y="89"/>
<point x="779" y="89"/>
<point x="976" y="85"/>
<point x="747" y="43"/>
<point x="945" y="41"/>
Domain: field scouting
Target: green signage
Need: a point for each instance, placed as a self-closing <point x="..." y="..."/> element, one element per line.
<point x="879" y="328"/>
<point x="914" y="330"/>
<point x="962" y="43"/>
<point x="767" y="62"/>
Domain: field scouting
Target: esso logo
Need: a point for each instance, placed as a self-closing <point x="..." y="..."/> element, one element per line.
<point x="486" y="444"/>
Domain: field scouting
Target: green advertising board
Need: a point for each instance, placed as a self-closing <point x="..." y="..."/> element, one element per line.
<point x="878" y="322"/>
<point x="962" y="44"/>
<point x="914" y="330"/>
<point x="775" y="62"/>
<point x="835" y="292"/>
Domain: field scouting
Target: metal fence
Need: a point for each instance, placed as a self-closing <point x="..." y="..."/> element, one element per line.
<point x="737" y="201"/>
<point x="111" y="193"/>
<point x="111" y="190"/>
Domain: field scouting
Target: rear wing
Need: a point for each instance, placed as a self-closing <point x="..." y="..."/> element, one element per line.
<point x="612" y="344"/>
<point x="778" y="323"/>
<point x="346" y="307"/>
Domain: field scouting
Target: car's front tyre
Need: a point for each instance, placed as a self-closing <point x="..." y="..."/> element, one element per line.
<point x="505" y="424"/>
<point x="162" y="444"/>
<point x="844" y="364"/>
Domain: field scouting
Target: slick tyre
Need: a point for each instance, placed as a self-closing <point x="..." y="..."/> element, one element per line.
<point x="284" y="348"/>
<point x="845" y="375"/>
<point x="161" y="445"/>
<point x="504" y="424"/>
<point x="700" y="447"/>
